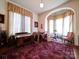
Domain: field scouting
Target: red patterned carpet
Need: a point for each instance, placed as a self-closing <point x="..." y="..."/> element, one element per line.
<point x="44" y="50"/>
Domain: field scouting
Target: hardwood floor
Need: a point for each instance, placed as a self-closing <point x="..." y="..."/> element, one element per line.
<point x="76" y="52"/>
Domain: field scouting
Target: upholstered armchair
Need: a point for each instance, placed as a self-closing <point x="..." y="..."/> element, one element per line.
<point x="69" y="37"/>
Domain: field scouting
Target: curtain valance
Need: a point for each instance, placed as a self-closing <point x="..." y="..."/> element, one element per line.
<point x="67" y="13"/>
<point x="14" y="8"/>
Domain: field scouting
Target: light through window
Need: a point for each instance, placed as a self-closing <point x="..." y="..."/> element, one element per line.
<point x="51" y="26"/>
<point x="59" y="23"/>
<point x="27" y="24"/>
<point x="67" y="25"/>
<point x="15" y="23"/>
<point x="18" y="23"/>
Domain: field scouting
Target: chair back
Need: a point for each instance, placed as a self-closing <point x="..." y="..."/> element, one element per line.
<point x="70" y="35"/>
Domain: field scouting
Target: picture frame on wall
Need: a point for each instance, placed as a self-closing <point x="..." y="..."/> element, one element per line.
<point x="1" y="18"/>
<point x="36" y="24"/>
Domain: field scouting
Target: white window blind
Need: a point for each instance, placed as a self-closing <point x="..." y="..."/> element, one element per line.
<point x="62" y="25"/>
<point x="51" y="26"/>
<point x="46" y="25"/>
<point x="15" y="23"/>
<point x="19" y="23"/>
<point x="27" y="24"/>
<point x="59" y="23"/>
<point x="66" y="25"/>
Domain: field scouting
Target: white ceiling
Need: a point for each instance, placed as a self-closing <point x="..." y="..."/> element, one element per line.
<point x="34" y="5"/>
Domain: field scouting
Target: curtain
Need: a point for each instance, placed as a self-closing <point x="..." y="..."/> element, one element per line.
<point x="14" y="8"/>
<point x="59" y="23"/>
<point x="27" y="24"/>
<point x="67" y="25"/>
<point x="50" y="26"/>
<point x="19" y="23"/>
<point x="15" y="23"/>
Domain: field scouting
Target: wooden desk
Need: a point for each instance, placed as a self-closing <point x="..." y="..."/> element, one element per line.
<point x="22" y="37"/>
<point x="3" y="50"/>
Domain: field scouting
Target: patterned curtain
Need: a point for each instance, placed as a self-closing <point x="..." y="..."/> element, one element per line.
<point x="14" y="8"/>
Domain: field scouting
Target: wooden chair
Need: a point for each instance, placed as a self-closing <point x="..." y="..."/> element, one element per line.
<point x="69" y="37"/>
<point x="35" y="37"/>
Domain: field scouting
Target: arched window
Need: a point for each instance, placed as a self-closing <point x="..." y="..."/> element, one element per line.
<point x="59" y="24"/>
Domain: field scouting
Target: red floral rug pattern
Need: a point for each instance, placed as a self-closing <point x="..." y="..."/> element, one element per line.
<point x="44" y="50"/>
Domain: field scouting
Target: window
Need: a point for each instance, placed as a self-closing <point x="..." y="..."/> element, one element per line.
<point x="19" y="23"/>
<point x="50" y="26"/>
<point x="67" y="25"/>
<point x="62" y="25"/>
<point x="27" y="24"/>
<point x="46" y="25"/>
<point x="59" y="23"/>
<point x="15" y="23"/>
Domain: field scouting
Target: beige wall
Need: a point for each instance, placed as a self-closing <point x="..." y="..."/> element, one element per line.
<point x="74" y="4"/>
<point x="35" y="19"/>
<point x="3" y="11"/>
